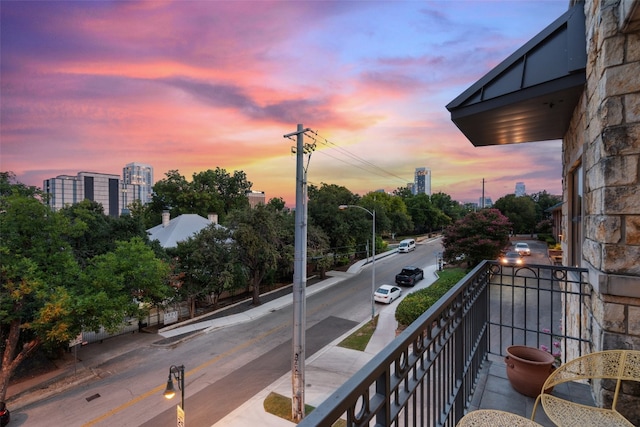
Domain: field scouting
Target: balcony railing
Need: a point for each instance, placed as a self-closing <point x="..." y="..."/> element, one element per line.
<point x="427" y="375"/>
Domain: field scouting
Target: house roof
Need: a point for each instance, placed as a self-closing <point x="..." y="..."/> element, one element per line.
<point x="179" y="229"/>
<point x="531" y="95"/>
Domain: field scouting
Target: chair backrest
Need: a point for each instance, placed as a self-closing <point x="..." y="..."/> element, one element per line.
<point x="619" y="365"/>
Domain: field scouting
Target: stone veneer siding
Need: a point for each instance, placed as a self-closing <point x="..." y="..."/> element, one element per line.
<point x="604" y="136"/>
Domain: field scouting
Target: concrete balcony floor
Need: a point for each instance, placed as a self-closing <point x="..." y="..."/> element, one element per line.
<point x="495" y="392"/>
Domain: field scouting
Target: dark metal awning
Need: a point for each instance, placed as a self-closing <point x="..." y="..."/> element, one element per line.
<point x="531" y="95"/>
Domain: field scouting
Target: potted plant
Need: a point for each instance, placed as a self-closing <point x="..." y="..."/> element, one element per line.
<point x="528" y="368"/>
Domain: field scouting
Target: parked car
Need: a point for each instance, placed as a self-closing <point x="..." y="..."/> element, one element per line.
<point x="5" y="415"/>
<point x="512" y="258"/>
<point x="523" y="248"/>
<point x="409" y="276"/>
<point x="387" y="294"/>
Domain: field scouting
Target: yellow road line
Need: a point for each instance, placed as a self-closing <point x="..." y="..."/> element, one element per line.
<point x="159" y="388"/>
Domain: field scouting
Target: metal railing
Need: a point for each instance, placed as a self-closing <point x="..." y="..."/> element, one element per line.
<point x="427" y="375"/>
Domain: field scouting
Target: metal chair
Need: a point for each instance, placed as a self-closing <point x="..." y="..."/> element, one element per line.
<point x="494" y="418"/>
<point x="616" y="365"/>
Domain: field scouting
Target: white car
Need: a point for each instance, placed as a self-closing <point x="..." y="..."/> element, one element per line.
<point x="387" y="294"/>
<point x="522" y="249"/>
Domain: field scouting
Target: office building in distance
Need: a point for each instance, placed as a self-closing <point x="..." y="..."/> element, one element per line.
<point x="422" y="181"/>
<point x="141" y="175"/>
<point x="107" y="189"/>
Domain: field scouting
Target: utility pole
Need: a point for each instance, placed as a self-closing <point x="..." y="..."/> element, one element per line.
<point x="482" y="204"/>
<point x="299" y="277"/>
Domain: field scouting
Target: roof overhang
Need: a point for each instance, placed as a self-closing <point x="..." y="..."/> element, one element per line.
<point x="531" y="95"/>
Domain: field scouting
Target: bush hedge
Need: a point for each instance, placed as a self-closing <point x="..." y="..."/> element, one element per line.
<point x="416" y="303"/>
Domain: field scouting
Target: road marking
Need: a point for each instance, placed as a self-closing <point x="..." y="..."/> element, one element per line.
<point x="159" y="388"/>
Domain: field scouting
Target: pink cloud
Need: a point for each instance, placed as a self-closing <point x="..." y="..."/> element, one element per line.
<point x="199" y="85"/>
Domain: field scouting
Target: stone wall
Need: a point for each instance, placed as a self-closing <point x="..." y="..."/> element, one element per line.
<point x="604" y="135"/>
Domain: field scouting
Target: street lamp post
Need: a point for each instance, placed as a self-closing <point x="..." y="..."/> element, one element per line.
<point x="373" y="252"/>
<point x="178" y="374"/>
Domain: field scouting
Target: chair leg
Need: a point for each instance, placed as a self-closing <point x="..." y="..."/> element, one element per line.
<point x="535" y="406"/>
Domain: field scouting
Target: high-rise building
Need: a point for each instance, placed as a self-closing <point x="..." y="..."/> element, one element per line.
<point x="422" y="181"/>
<point x="520" y="190"/>
<point x="106" y="189"/>
<point x="140" y="175"/>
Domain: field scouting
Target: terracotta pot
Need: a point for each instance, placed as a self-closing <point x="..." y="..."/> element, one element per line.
<point x="528" y="368"/>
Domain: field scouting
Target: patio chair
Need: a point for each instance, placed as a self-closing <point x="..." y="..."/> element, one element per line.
<point x="616" y="365"/>
<point x="494" y="418"/>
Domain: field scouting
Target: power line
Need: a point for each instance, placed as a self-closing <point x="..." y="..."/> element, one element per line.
<point x="363" y="165"/>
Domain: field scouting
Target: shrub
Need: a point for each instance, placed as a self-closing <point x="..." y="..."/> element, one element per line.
<point x="416" y="303"/>
<point x="547" y="238"/>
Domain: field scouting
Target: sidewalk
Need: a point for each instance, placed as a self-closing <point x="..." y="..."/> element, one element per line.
<point x="324" y="371"/>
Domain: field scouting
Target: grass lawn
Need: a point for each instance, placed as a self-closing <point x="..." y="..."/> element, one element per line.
<point x="360" y="338"/>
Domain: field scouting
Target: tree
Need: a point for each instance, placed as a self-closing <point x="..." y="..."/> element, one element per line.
<point x="37" y="265"/>
<point x="425" y="216"/>
<point x="91" y="234"/>
<point x="521" y="211"/>
<point x="255" y="233"/>
<point x="544" y="201"/>
<point x="323" y="212"/>
<point x="478" y="236"/>
<point x="9" y="185"/>
<point x="210" y="191"/>
<point x="231" y="189"/>
<point x="171" y="193"/>
<point x="402" y="192"/>
<point x="207" y="264"/>
<point x="46" y="299"/>
<point x="127" y="281"/>
<point x="448" y="206"/>
<point x="391" y="212"/>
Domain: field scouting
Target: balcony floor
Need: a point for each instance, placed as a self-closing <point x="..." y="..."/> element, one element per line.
<point x="495" y="392"/>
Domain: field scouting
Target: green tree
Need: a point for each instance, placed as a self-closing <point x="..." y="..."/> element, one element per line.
<point x="45" y="297"/>
<point x="231" y="189"/>
<point x="391" y="212"/>
<point x="402" y="192"/>
<point x="521" y="211"/>
<point x="129" y="280"/>
<point x="544" y="201"/>
<point x="425" y="216"/>
<point x="91" y="235"/>
<point x="36" y="268"/>
<point x="478" y="236"/>
<point x="9" y="185"/>
<point x="210" y="191"/>
<point x="452" y="209"/>
<point x="207" y="265"/>
<point x="171" y="193"/>
<point x="323" y="212"/>
<point x="277" y="204"/>
<point x="255" y="231"/>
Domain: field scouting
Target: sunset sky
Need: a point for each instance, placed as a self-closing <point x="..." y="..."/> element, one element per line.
<point x="195" y="85"/>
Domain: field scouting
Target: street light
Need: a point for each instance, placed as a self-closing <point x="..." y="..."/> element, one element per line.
<point x="178" y="374"/>
<point x="373" y="252"/>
